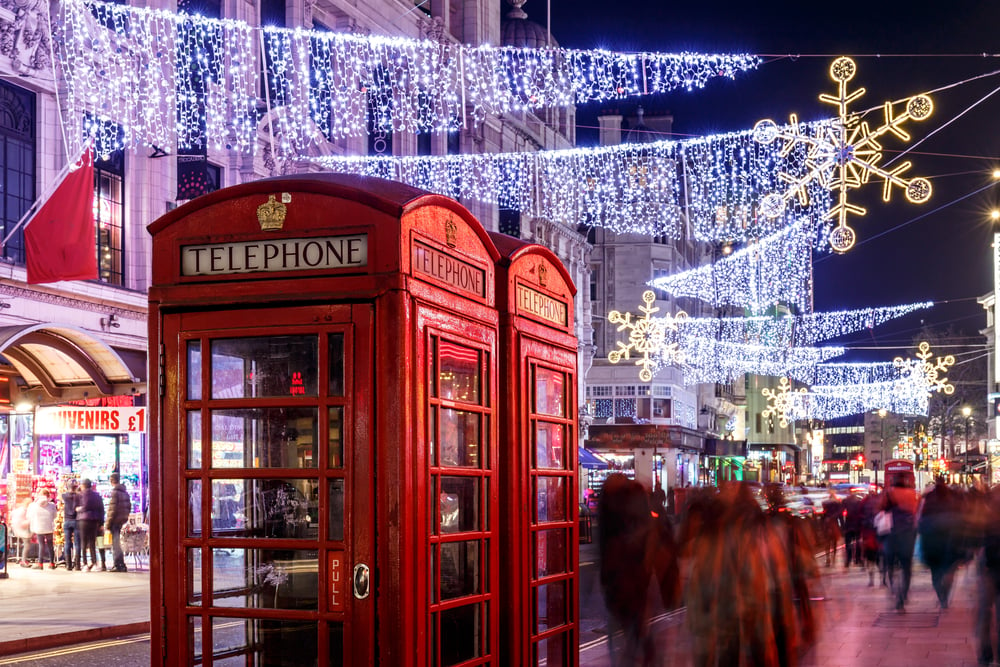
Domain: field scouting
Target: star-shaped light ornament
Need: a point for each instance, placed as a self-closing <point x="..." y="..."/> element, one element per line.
<point x="844" y="155"/>
<point x="647" y="338"/>
<point x="933" y="373"/>
<point x="780" y="402"/>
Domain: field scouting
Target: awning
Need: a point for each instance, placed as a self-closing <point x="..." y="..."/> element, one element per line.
<point x="58" y="362"/>
<point x="588" y="459"/>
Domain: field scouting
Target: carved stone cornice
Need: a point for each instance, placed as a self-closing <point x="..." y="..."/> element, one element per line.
<point x="75" y="302"/>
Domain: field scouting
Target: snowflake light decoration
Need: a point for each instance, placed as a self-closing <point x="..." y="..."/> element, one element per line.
<point x="844" y="155"/>
<point x="780" y="402"/>
<point x="932" y="372"/>
<point x="647" y="336"/>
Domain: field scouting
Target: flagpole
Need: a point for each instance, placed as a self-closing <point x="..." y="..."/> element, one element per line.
<point x="45" y="195"/>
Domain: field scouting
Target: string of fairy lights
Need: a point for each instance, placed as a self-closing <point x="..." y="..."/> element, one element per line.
<point x="177" y="80"/>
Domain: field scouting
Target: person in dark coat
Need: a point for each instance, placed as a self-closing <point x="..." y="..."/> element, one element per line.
<point x="119" y="508"/>
<point x="939" y="517"/>
<point x="852" y="521"/>
<point x="900" y="500"/>
<point x="71" y="533"/>
<point x="988" y="569"/>
<point x="89" y="517"/>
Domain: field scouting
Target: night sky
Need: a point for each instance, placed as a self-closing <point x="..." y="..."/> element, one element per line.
<point x="938" y="251"/>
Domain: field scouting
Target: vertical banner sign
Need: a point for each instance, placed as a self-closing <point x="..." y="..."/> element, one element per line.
<point x="996" y="306"/>
<point x="336" y="580"/>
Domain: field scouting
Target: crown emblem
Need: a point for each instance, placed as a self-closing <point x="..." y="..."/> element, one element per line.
<point x="450" y="232"/>
<point x="541" y="274"/>
<point x="271" y="215"/>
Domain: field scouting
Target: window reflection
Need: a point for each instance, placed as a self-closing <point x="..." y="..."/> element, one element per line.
<point x="459" y="569"/>
<point x="550" y="502"/>
<point x="549" y="451"/>
<point x="265" y="366"/>
<point x="239" y="642"/>
<point x="276" y="508"/>
<point x="265" y="578"/>
<point x="194" y="370"/>
<point x="550" y="552"/>
<point x="335" y="365"/>
<point x="459" y="438"/>
<point x="549" y="392"/>
<point x="458" y="372"/>
<point x="264" y="438"/>
<point x="459" y="504"/>
<point x="194" y="438"/>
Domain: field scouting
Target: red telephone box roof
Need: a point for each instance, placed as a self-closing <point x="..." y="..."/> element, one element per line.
<point x="390" y="197"/>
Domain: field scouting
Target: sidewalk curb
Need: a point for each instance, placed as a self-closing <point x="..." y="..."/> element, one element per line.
<point x="29" y="644"/>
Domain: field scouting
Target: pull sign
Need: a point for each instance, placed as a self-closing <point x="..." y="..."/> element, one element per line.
<point x="336" y="580"/>
<point x="361" y="581"/>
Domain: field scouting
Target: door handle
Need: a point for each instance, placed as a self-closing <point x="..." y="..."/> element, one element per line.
<point x="362" y="581"/>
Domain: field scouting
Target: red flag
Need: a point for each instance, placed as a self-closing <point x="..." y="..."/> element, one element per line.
<point x="59" y="240"/>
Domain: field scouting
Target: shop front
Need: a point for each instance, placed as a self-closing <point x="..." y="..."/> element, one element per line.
<point x="770" y="463"/>
<point x="70" y="408"/>
<point x="664" y="456"/>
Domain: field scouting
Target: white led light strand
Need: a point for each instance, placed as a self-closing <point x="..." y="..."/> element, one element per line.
<point x="774" y="270"/>
<point x="905" y="396"/>
<point x="708" y="360"/>
<point x="126" y="64"/>
<point x="848" y="373"/>
<point x="793" y="330"/>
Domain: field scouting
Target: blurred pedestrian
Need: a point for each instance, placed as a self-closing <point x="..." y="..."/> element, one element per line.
<point x="42" y="516"/>
<point x="634" y="550"/>
<point x="900" y="502"/>
<point x="89" y="517"/>
<point x="829" y="526"/>
<point x="937" y="526"/>
<point x="851" y="524"/>
<point x="870" y="547"/>
<point x="20" y="526"/>
<point x="988" y="590"/>
<point x="119" y="508"/>
<point x="71" y="533"/>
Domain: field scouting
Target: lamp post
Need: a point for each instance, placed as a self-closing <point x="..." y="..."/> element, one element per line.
<point x="881" y="449"/>
<point x="967" y="412"/>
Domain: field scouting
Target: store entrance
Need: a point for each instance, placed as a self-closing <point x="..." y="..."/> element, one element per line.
<point x="274" y="523"/>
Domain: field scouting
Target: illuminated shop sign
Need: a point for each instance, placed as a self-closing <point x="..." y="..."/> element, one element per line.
<point x="540" y="305"/>
<point x="57" y="419"/>
<point x="305" y="254"/>
<point x="447" y="269"/>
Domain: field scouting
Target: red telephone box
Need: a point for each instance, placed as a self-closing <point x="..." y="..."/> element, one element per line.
<point x="538" y="471"/>
<point x="324" y="447"/>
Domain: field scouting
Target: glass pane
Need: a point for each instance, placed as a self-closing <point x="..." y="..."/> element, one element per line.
<point x="551" y="651"/>
<point x="194" y="576"/>
<point x="194" y="508"/>
<point x="549" y="450"/>
<point x="265" y="366"/>
<point x="335" y="524"/>
<point x="550" y="394"/>
<point x="550" y="606"/>
<point x="459" y="438"/>
<point x="336" y="644"/>
<point x="265" y="578"/>
<point x="265" y="508"/>
<point x="194" y="370"/>
<point x="336" y="436"/>
<point x="194" y="636"/>
<point x="264" y="438"/>
<point x="194" y="438"/>
<point x="458" y="372"/>
<point x="460" y="635"/>
<point x="459" y="569"/>
<point x="335" y="352"/>
<point x="550" y="501"/>
<point x="459" y="504"/>
<point x="550" y="552"/>
<point x="264" y="642"/>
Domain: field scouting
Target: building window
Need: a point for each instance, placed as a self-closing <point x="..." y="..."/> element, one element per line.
<point x="109" y="215"/>
<point x="17" y="155"/>
<point x="510" y="222"/>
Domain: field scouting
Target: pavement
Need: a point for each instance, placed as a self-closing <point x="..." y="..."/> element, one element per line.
<point x="42" y="609"/>
<point x="859" y="626"/>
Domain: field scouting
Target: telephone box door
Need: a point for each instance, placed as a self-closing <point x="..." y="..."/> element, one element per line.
<point x="267" y="417"/>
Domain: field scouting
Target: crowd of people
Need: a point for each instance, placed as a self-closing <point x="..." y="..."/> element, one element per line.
<point x="33" y="524"/>
<point x="746" y="566"/>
